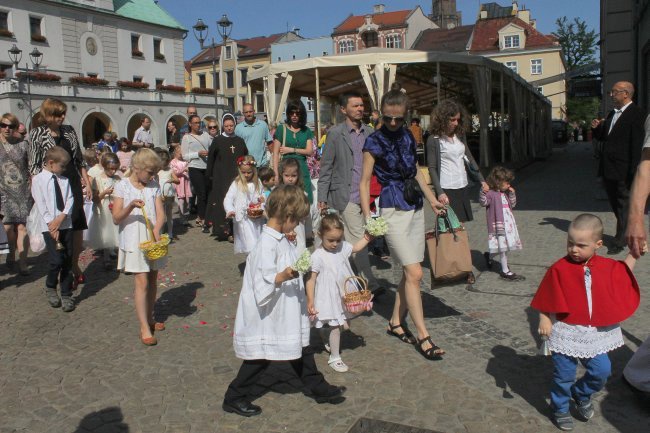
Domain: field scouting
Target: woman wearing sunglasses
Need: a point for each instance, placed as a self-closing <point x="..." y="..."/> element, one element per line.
<point x="391" y="154"/>
<point x="14" y="190"/>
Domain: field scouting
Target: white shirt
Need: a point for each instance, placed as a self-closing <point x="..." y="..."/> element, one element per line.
<point x="45" y="199"/>
<point x="617" y="114"/>
<point x="191" y="145"/>
<point x="129" y="232"/>
<point x="452" y="164"/>
<point x="271" y="321"/>
<point x="143" y="135"/>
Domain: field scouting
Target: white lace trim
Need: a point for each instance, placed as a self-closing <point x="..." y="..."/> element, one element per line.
<point x="584" y="341"/>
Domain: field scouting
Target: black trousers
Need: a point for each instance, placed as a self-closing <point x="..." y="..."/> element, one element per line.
<point x="251" y="371"/>
<point x="60" y="262"/>
<point x="200" y="190"/>
<point x="618" y="195"/>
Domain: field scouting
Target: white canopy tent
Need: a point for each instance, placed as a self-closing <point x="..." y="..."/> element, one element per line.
<point x="427" y="76"/>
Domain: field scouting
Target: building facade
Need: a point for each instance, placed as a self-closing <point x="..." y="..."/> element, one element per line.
<point x="397" y="29"/>
<point x="231" y="69"/>
<point x="120" y="41"/>
<point x="625" y="47"/>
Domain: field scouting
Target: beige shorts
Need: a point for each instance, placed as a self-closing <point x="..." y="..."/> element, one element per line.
<point x="405" y="235"/>
<point x="135" y="262"/>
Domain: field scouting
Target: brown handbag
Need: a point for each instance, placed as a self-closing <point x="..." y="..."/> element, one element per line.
<point x="448" y="248"/>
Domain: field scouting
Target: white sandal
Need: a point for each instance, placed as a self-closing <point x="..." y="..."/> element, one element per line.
<point x="338" y="365"/>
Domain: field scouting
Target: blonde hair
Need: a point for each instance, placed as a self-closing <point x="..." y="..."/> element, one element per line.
<point x="240" y="180"/>
<point x="13" y="120"/>
<point x="146" y="159"/>
<point x="51" y="108"/>
<point x="56" y="154"/>
<point x="90" y="156"/>
<point x="330" y="222"/>
<point x="587" y="221"/>
<point x="287" y="202"/>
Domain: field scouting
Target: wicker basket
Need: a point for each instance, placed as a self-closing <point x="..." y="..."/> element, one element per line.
<point x="359" y="299"/>
<point x="153" y="250"/>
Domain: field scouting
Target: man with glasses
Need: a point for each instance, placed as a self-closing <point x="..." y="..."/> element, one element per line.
<point x="622" y="137"/>
<point x="340" y="175"/>
<point x="256" y="135"/>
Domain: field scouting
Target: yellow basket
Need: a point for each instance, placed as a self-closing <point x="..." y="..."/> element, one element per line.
<point x="153" y="250"/>
<point x="357" y="301"/>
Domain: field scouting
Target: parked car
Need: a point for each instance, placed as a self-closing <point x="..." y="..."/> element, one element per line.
<point x="560" y="133"/>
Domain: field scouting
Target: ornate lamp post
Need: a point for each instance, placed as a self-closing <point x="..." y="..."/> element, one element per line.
<point x="224" y="27"/>
<point x="36" y="58"/>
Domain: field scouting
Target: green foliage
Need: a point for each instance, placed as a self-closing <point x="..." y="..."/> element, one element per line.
<point x="582" y="109"/>
<point x="577" y="41"/>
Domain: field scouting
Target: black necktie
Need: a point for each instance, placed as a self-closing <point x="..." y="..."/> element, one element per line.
<point x="58" y="194"/>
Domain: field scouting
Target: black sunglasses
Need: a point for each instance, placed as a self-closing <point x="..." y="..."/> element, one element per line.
<point x="212" y="127"/>
<point x="390" y="119"/>
<point x="8" y="126"/>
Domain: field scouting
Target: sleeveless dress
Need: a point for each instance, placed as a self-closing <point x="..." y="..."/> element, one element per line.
<point x="14" y="183"/>
<point x="102" y="232"/>
<point x="333" y="268"/>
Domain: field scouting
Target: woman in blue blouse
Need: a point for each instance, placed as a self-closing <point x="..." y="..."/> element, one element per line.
<point x="390" y="153"/>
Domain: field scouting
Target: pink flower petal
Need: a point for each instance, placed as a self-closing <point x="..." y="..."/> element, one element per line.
<point x="203" y="322"/>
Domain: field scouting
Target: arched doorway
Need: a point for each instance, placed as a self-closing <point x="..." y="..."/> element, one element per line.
<point x="135" y="121"/>
<point x="93" y="127"/>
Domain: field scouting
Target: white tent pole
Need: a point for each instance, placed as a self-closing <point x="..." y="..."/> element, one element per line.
<point x="503" y="131"/>
<point x="392" y="72"/>
<point x="272" y="108"/>
<point x="286" y="84"/>
<point x="363" y="69"/>
<point x="249" y="94"/>
<point x="317" y="106"/>
<point x="380" y="75"/>
<point x="267" y="107"/>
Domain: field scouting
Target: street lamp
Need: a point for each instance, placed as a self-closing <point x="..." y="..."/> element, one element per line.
<point x="224" y="27"/>
<point x="36" y="58"/>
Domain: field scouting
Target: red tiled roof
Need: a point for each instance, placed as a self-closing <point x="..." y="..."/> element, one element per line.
<point x="257" y="46"/>
<point x="386" y="19"/>
<point x="486" y="34"/>
<point x="447" y="40"/>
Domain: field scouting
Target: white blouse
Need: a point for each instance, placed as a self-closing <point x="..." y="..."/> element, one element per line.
<point x="191" y="145"/>
<point x="129" y="232"/>
<point x="452" y="164"/>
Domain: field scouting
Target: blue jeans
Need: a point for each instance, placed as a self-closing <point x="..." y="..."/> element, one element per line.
<point x="565" y="385"/>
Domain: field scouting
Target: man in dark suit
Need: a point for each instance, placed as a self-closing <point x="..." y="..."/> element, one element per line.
<point x="622" y="136"/>
<point x="340" y="175"/>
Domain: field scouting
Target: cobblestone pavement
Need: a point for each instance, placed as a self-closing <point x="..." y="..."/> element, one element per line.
<point x="87" y="371"/>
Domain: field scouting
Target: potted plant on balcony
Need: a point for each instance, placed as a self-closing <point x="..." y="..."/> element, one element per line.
<point x="159" y="56"/>
<point x="202" y="91"/>
<point x="137" y="53"/>
<point x="133" y="84"/>
<point x="5" y="33"/>
<point x="89" y="81"/>
<point x="38" y="76"/>
<point x="39" y="38"/>
<point x="170" y="88"/>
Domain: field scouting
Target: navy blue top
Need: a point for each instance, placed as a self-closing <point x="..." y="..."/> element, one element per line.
<point x="395" y="156"/>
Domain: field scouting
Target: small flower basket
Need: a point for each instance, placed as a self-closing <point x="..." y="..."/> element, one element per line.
<point x="357" y="298"/>
<point x="153" y="250"/>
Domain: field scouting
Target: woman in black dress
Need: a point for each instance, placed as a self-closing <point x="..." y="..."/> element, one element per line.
<point x="220" y="172"/>
<point x="55" y="133"/>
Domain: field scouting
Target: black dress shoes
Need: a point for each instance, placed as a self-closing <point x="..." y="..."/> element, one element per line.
<point x="242" y="407"/>
<point x="329" y="394"/>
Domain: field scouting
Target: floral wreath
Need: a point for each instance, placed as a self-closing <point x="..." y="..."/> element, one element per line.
<point x="241" y="161"/>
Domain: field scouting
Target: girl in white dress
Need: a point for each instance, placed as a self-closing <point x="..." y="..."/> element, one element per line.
<point x="330" y="266"/>
<point x="243" y="203"/>
<point x="503" y="235"/>
<point x="167" y="181"/>
<point x="290" y="175"/>
<point x="140" y="190"/>
<point x="102" y="230"/>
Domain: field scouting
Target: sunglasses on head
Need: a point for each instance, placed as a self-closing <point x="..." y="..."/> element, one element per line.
<point x="8" y="126"/>
<point x="390" y="119"/>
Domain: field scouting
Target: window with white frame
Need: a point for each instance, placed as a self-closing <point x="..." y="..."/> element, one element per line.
<point x="36" y="29"/>
<point x="4" y="25"/>
<point x="158" y="52"/>
<point x="511" y="41"/>
<point x="393" y="41"/>
<point x="135" y="45"/>
<point x="370" y="39"/>
<point x="346" y="46"/>
<point x="228" y="52"/>
<point x="202" y="82"/>
<point x="244" y="76"/>
<point x="230" y="79"/>
<point x="160" y="82"/>
<point x="536" y="66"/>
<point x="259" y="102"/>
<point x="512" y="66"/>
<point x="137" y="79"/>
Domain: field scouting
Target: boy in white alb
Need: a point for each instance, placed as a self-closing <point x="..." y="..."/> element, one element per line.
<point x="53" y="199"/>
<point x="272" y="323"/>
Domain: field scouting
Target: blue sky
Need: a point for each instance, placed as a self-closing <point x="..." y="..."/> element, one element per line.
<point x="318" y="17"/>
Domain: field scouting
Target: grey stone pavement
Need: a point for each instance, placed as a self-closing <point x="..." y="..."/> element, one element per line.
<point x="88" y="372"/>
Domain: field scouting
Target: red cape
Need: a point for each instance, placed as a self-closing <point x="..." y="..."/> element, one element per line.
<point x="614" y="292"/>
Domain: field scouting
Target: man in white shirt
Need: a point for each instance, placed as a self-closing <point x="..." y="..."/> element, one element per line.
<point x="53" y="199"/>
<point x="143" y="137"/>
